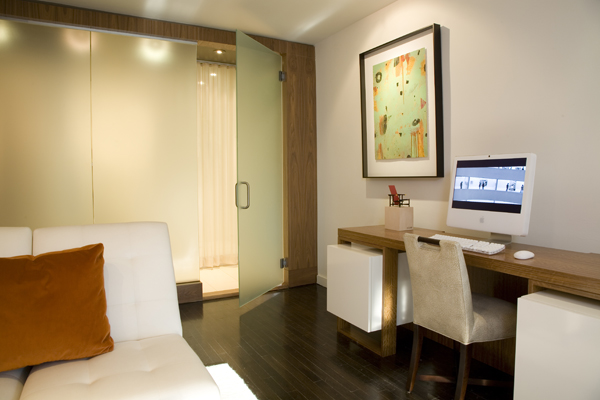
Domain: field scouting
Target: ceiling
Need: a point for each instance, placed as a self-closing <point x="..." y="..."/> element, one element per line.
<point x="303" y="21"/>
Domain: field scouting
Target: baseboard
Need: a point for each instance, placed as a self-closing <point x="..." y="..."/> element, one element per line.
<point x="189" y="292"/>
<point x="322" y="280"/>
<point x="300" y="277"/>
<point x="221" y="294"/>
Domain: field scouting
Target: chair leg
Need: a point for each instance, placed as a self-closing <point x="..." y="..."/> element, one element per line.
<point x="414" y="357"/>
<point x="466" y="352"/>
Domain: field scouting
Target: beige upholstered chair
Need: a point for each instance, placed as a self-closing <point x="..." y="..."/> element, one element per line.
<point x="443" y="303"/>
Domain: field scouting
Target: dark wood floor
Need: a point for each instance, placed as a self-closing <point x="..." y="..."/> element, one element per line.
<point x="285" y="346"/>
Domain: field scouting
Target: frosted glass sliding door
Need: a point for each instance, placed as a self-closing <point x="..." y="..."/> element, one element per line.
<point x="144" y="138"/>
<point x="260" y="168"/>
<point x="45" y="158"/>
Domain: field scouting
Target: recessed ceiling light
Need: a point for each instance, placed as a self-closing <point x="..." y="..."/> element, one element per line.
<point x="219" y="51"/>
<point x="213" y="74"/>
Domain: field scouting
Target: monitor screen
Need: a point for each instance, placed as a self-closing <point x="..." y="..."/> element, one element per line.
<point x="492" y="193"/>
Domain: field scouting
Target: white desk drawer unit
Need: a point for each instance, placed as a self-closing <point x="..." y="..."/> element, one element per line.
<point x="354" y="286"/>
<point x="558" y="351"/>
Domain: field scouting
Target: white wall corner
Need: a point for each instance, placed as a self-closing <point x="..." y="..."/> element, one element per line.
<point x="322" y="280"/>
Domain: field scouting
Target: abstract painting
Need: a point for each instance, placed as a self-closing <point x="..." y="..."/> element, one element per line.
<point x="400" y="106"/>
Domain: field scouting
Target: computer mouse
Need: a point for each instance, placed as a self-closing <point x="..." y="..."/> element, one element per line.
<point x="523" y="255"/>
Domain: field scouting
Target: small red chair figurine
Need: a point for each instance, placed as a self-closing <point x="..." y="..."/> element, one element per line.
<point x="397" y="199"/>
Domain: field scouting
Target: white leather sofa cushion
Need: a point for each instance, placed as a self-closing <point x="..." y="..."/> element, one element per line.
<point x="14" y="241"/>
<point x="163" y="368"/>
<point x="141" y="293"/>
<point x="11" y="383"/>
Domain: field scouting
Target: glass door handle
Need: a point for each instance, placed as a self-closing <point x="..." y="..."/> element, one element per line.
<point x="248" y="195"/>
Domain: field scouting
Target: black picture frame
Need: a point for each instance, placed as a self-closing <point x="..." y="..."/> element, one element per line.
<point x="431" y="166"/>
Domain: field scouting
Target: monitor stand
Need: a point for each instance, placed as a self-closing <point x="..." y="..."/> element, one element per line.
<point x="500" y="238"/>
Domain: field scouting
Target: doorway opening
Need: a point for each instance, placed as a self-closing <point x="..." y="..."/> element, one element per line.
<point x="217" y="170"/>
<point x="252" y="138"/>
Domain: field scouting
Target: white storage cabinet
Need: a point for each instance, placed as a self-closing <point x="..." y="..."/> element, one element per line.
<point x="355" y="286"/>
<point x="558" y="347"/>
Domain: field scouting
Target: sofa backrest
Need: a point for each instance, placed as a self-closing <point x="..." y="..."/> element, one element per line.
<point x="138" y="274"/>
<point x="15" y="241"/>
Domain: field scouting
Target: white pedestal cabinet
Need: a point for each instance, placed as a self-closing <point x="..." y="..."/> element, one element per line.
<point x="354" y="286"/>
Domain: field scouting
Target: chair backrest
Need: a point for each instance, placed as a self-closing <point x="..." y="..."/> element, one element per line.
<point x="442" y="299"/>
<point x="139" y="279"/>
<point x="15" y="241"/>
<point x="394" y="193"/>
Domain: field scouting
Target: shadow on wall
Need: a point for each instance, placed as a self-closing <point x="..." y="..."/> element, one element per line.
<point x="432" y="189"/>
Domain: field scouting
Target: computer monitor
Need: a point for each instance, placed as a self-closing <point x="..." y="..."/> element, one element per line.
<point x="492" y="193"/>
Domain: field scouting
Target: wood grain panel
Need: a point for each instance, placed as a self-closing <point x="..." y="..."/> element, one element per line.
<point x="301" y="162"/>
<point x="536" y="286"/>
<point x="496" y="284"/>
<point x="300" y="276"/>
<point x="390" y="302"/>
<point x="299" y="111"/>
<point x="46" y="12"/>
<point x="369" y="340"/>
<point x="189" y="292"/>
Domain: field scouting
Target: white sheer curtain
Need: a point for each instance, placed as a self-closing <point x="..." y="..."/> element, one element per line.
<point x="217" y="172"/>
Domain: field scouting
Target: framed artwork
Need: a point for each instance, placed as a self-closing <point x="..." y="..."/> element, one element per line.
<point x="402" y="118"/>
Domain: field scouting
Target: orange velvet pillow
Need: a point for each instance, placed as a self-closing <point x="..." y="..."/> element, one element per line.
<point x="53" y="307"/>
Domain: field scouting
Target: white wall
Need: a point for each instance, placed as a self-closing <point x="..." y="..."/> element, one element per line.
<point x="520" y="76"/>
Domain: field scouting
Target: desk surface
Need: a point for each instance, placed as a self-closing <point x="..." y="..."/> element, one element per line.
<point x="568" y="271"/>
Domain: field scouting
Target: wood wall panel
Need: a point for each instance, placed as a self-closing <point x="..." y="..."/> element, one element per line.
<point x="59" y="14"/>
<point x="299" y="111"/>
<point x="301" y="162"/>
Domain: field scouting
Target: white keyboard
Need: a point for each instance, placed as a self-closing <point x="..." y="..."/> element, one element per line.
<point x="473" y="245"/>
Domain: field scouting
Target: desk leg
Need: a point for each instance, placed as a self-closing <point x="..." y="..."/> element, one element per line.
<point x="390" y="302"/>
<point x="343" y="326"/>
<point x="387" y="346"/>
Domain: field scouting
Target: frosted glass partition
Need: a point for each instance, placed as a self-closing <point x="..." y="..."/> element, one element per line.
<point x="144" y="138"/>
<point x="45" y="158"/>
<point x="260" y="164"/>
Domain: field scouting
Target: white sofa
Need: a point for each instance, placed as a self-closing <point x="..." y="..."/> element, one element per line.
<point x="150" y="360"/>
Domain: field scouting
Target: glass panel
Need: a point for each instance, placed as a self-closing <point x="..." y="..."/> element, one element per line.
<point x="45" y="161"/>
<point x="144" y="138"/>
<point x="260" y="164"/>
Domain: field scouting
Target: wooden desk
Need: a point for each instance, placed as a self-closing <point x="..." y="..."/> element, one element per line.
<point x="566" y="271"/>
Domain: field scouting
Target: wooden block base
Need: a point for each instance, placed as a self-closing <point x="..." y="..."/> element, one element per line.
<point x="189" y="292"/>
<point x="399" y="218"/>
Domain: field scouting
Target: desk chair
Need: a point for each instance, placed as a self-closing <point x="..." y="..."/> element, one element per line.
<point x="443" y="303"/>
